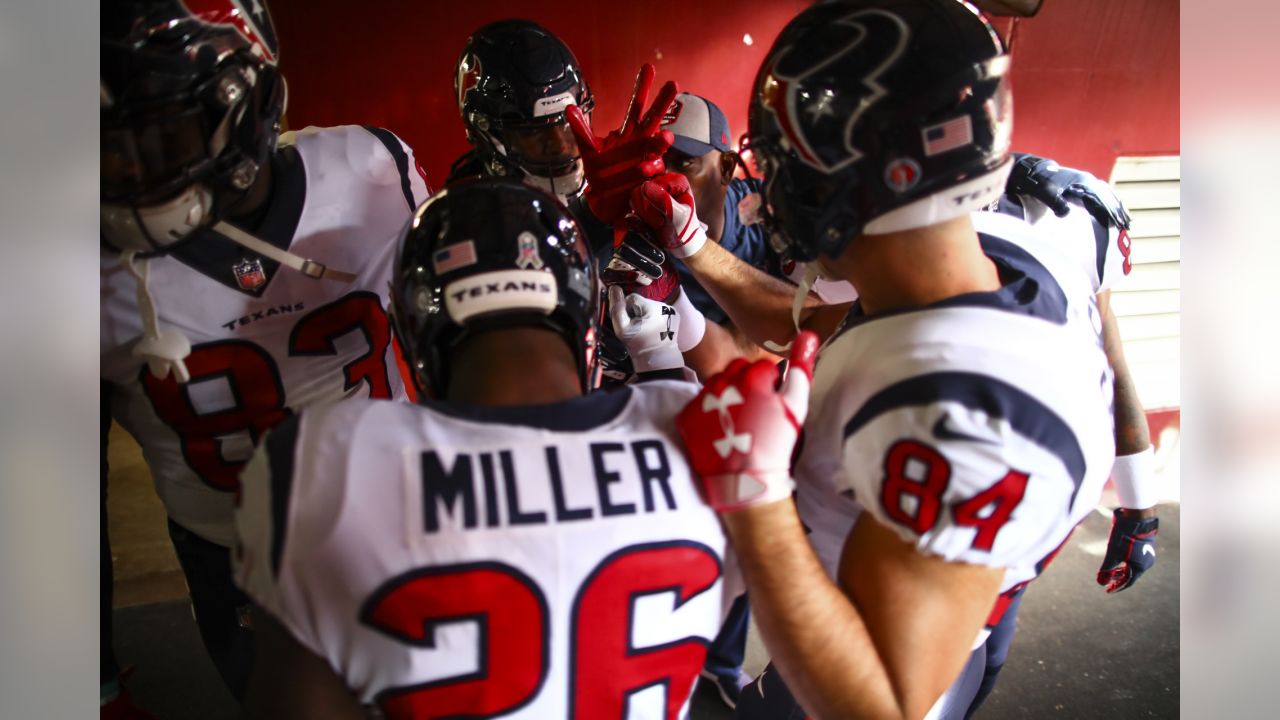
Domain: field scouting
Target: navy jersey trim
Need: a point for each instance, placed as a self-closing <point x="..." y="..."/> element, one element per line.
<point x="214" y="255"/>
<point x="1102" y="238"/>
<point x="1028" y="416"/>
<point x="392" y="144"/>
<point x="280" y="445"/>
<point x="467" y="165"/>
<point x="1028" y="288"/>
<point x="668" y="374"/>
<point x="574" y="415"/>
<point x="1011" y="205"/>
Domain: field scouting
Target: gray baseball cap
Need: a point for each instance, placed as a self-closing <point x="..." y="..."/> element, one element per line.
<point x="698" y="125"/>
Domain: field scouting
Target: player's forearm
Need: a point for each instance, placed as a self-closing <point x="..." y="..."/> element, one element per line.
<point x="816" y="637"/>
<point x="758" y="303"/>
<point x="713" y="353"/>
<point x="1132" y="434"/>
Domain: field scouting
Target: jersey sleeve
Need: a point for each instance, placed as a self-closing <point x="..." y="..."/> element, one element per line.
<point x="965" y="468"/>
<point x="413" y="179"/>
<point x="1102" y="250"/>
<point x="262" y="526"/>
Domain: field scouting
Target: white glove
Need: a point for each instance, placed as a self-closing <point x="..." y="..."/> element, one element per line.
<point x="648" y="330"/>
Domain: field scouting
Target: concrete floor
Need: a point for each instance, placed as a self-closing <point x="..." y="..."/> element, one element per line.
<point x="1079" y="653"/>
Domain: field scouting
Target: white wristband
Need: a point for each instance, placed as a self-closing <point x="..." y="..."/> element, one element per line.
<point x="692" y="239"/>
<point x="1135" y="479"/>
<point x="729" y="493"/>
<point x="693" y="324"/>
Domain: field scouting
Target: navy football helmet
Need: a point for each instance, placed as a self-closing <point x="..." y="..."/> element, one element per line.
<point x="514" y="80"/>
<point x="875" y="116"/>
<point x="489" y="253"/>
<point x="191" y="101"/>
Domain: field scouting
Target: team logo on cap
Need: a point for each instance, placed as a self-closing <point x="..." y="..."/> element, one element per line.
<point x="673" y="113"/>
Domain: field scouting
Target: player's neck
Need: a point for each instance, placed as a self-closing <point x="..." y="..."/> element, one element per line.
<point x="919" y="267"/>
<point x="515" y="366"/>
<point x="248" y="211"/>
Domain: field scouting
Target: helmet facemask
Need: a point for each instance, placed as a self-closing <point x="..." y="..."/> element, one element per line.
<point x="514" y="80"/>
<point x="190" y="114"/>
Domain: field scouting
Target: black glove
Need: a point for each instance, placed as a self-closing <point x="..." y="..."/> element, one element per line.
<point x="638" y="266"/>
<point x="1131" y="551"/>
<point x="1056" y="187"/>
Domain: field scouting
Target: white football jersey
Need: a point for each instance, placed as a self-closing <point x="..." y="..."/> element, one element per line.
<point x="553" y="561"/>
<point x="979" y="428"/>
<point x="266" y="340"/>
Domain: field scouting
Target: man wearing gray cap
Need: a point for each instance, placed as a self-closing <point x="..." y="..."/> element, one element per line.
<point x="703" y="153"/>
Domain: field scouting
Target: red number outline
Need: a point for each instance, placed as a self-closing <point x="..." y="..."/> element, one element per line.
<point x="659" y="566"/>
<point x="644" y="569"/>
<point x="405" y="621"/>
<point x="315" y="333"/>
<point x="1005" y="494"/>
<point x="311" y="336"/>
<point x="172" y="404"/>
<point x="928" y="495"/>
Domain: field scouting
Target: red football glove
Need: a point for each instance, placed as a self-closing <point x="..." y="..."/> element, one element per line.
<point x="626" y="157"/>
<point x="741" y="430"/>
<point x="665" y="206"/>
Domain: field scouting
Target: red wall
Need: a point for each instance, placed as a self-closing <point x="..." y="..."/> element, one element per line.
<point x="1093" y="78"/>
<point x="392" y="63"/>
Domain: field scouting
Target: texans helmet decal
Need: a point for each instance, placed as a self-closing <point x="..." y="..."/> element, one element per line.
<point x="469" y="74"/>
<point x="254" y="24"/>
<point x="796" y="86"/>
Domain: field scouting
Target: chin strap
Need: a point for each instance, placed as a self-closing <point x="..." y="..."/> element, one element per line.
<point x="310" y="268"/>
<point x="797" y="304"/>
<point x="164" y="350"/>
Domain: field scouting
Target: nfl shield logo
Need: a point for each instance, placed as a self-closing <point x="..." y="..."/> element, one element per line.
<point x="249" y="274"/>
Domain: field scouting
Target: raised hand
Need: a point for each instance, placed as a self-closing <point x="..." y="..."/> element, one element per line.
<point x="741" y="429"/>
<point x="1054" y="185"/>
<point x="618" y="162"/>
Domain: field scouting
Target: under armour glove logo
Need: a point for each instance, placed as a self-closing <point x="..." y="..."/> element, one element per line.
<point x="670" y="314"/>
<point x="1131" y="551"/>
<point x="639" y="323"/>
<point x="741" y="429"/>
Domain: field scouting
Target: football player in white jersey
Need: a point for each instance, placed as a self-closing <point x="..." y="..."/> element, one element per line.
<point x="964" y="403"/>
<point x="208" y="339"/>
<point x="515" y="544"/>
